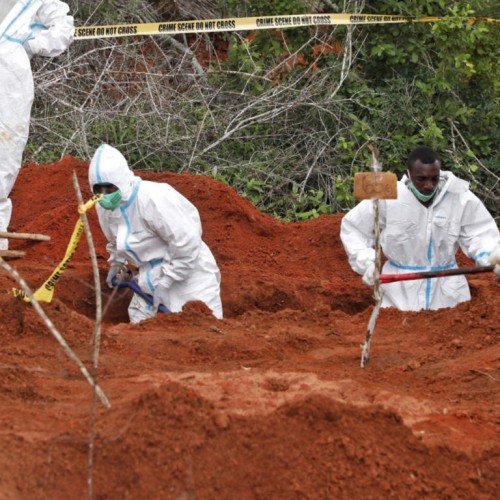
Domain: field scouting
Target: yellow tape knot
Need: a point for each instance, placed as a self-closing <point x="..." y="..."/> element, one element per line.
<point x="87" y="206"/>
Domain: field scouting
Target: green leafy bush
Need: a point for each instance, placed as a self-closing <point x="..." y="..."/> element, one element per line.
<point x="284" y="116"/>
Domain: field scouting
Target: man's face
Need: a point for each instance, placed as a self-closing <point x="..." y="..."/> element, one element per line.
<point x="425" y="176"/>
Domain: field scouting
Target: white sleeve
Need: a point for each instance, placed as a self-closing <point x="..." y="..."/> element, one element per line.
<point x="105" y="218"/>
<point x="479" y="235"/>
<point x="357" y="235"/>
<point x="53" y="30"/>
<point x="176" y="221"/>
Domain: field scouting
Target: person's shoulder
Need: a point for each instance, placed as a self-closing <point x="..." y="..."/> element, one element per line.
<point x="359" y="206"/>
<point x="158" y="193"/>
<point x="460" y="192"/>
<point x="453" y="184"/>
<point x="156" y="186"/>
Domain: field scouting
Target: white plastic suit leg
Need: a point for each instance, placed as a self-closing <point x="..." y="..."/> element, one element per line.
<point x="139" y="309"/>
<point x="16" y="98"/>
<point x="27" y="28"/>
<point x="204" y="287"/>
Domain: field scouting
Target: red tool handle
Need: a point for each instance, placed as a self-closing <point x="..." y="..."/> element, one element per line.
<point x="391" y="278"/>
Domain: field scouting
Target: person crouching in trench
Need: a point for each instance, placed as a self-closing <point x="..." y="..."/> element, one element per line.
<point x="155" y="228"/>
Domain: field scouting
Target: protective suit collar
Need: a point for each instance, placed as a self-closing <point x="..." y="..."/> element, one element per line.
<point x="109" y="165"/>
<point x="453" y="184"/>
<point x="448" y="183"/>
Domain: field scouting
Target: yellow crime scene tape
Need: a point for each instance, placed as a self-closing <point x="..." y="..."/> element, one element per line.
<point x="252" y="23"/>
<point x="46" y="291"/>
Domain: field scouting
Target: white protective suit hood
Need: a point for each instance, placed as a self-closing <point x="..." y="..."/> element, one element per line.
<point x="109" y="165"/>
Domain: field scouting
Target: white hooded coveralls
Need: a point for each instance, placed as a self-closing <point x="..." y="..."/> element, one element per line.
<point x="417" y="238"/>
<point x="159" y="231"/>
<point x="27" y="28"/>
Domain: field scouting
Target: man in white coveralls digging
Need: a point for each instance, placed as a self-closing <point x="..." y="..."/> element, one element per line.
<point x="434" y="214"/>
<point x="154" y="227"/>
<point x="27" y="28"/>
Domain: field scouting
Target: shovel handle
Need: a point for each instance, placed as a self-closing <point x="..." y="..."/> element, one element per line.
<point x="391" y="278"/>
<point x="146" y="296"/>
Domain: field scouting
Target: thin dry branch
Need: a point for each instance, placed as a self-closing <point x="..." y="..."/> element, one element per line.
<point x="96" y="337"/>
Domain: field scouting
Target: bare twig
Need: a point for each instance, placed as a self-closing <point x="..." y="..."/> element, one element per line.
<point x="37" y="369"/>
<point x="485" y="374"/>
<point x="96" y="336"/>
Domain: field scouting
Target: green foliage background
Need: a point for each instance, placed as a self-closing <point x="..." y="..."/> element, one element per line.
<point x="286" y="118"/>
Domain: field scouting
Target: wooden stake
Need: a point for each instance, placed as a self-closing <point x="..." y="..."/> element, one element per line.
<point x="376" y="168"/>
<point x="25" y="236"/>
<point x="12" y="254"/>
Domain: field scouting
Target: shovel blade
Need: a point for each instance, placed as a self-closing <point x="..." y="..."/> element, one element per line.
<point x="375" y="185"/>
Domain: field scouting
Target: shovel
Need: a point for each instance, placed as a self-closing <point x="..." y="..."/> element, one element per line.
<point x="135" y="287"/>
<point x="391" y="278"/>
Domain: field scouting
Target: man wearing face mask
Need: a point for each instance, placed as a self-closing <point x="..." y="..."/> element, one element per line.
<point x="434" y="214"/>
<point x="27" y="28"/>
<point x="155" y="228"/>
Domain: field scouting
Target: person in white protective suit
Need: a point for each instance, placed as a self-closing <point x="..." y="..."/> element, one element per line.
<point x="433" y="215"/>
<point x="27" y="28"/>
<point x="154" y="227"/>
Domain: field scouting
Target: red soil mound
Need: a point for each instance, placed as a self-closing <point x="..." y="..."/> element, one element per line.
<point x="270" y="402"/>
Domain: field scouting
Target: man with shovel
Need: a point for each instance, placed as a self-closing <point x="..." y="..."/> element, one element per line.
<point x="27" y="28"/>
<point x="155" y="228"/>
<point x="421" y="230"/>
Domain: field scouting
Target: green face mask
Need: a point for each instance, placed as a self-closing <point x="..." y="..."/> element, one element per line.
<point x="111" y="201"/>
<point x="419" y="195"/>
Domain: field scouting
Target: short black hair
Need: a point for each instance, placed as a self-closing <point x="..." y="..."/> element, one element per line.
<point x="424" y="154"/>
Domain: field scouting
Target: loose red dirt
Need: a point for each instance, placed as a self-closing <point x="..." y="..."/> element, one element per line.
<point x="269" y="403"/>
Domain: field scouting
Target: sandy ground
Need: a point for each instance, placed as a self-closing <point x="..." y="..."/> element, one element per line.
<point x="270" y="402"/>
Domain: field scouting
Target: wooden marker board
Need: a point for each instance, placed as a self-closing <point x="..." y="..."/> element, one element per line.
<point x="375" y="185"/>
